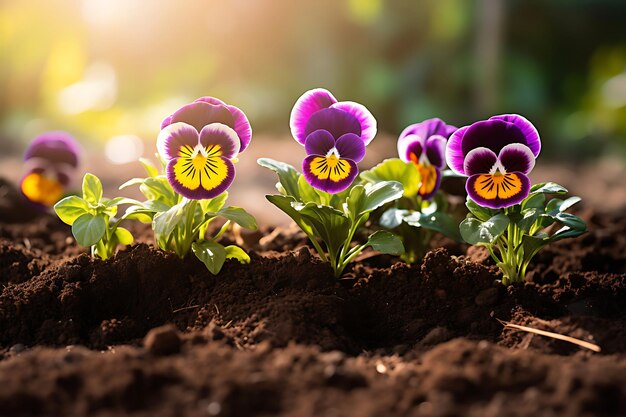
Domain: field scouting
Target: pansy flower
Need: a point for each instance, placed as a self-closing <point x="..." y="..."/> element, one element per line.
<point x="496" y="155"/>
<point x="199" y="164"/>
<point x="334" y="135"/>
<point x="424" y="145"/>
<point x="50" y="160"/>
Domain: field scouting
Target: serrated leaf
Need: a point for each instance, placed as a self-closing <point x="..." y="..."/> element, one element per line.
<point x="92" y="189"/>
<point x="287" y="175"/>
<point x="211" y="253"/>
<point x="235" y="252"/>
<point x="548" y="188"/>
<point x="395" y="169"/>
<point x="474" y="231"/>
<point x="385" y="242"/>
<point x="88" y="229"/>
<point x="70" y="208"/>
<point x="239" y="216"/>
<point x="124" y="236"/>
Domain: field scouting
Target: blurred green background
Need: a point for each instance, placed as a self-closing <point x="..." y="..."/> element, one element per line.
<point x="112" y="69"/>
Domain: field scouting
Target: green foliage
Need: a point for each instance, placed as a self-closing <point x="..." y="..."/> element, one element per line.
<point x="331" y="220"/>
<point x="516" y="234"/>
<point x="413" y="219"/>
<point x="180" y="225"/>
<point x="92" y="218"/>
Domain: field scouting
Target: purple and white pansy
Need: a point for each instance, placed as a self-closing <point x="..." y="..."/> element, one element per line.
<point x="334" y="134"/>
<point x="200" y="143"/>
<point x="496" y="155"/>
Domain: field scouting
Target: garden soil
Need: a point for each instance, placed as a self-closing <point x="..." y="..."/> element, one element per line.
<point x="147" y="334"/>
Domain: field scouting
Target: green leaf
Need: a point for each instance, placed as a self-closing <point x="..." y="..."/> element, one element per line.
<point x="158" y="188"/>
<point x="118" y="201"/>
<point x="482" y="213"/>
<point x="306" y="192"/>
<point x="529" y="217"/>
<point x="395" y="170"/>
<point x="379" y="194"/>
<point x="385" y="242"/>
<point x="211" y="253"/>
<point x="393" y="218"/>
<point x="437" y="221"/>
<point x="287" y="175"/>
<point x="124" y="236"/>
<point x="475" y="231"/>
<point x="548" y="188"/>
<point x="71" y="208"/>
<point x="534" y="201"/>
<point x="572" y="221"/>
<point x="355" y="201"/>
<point x="239" y="216"/>
<point x="565" y="232"/>
<point x="165" y="222"/>
<point x="88" y="229"/>
<point x="132" y="181"/>
<point x="329" y="224"/>
<point x="92" y="189"/>
<point x="533" y="244"/>
<point x="235" y="252"/>
<point x="151" y="170"/>
<point x="557" y="205"/>
<point x="214" y="204"/>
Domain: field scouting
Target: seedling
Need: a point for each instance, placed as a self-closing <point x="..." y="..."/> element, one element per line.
<point x="423" y="209"/>
<point x="508" y="216"/>
<point x="93" y="220"/>
<point x="198" y="146"/>
<point x="323" y="201"/>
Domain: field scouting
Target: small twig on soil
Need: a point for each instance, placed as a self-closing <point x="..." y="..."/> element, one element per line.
<point x="217" y="310"/>
<point x="185" y="308"/>
<point x="558" y="336"/>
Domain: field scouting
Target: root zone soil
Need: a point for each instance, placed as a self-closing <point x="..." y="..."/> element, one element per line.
<point x="146" y="333"/>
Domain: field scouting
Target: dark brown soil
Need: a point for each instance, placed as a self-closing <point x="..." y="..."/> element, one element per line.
<point x="148" y="334"/>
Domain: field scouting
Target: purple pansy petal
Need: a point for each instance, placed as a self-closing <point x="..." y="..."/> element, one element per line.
<point x="410" y="144"/>
<point x="479" y="161"/>
<point x="498" y="191"/>
<point x="493" y="134"/>
<point x="454" y="151"/>
<point x="435" y="150"/>
<point x="328" y="179"/>
<point x="527" y="129"/>
<point x="308" y="104"/>
<point x="55" y="147"/>
<point x="199" y="114"/>
<point x="218" y="137"/>
<point x="517" y="158"/>
<point x="351" y="146"/>
<point x="429" y="128"/>
<point x="241" y="126"/>
<point x="174" y="138"/>
<point x="319" y="142"/>
<point x="207" y="187"/>
<point x="337" y="122"/>
<point x="363" y="115"/>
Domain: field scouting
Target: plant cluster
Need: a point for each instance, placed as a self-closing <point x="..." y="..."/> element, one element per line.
<point x="395" y="207"/>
